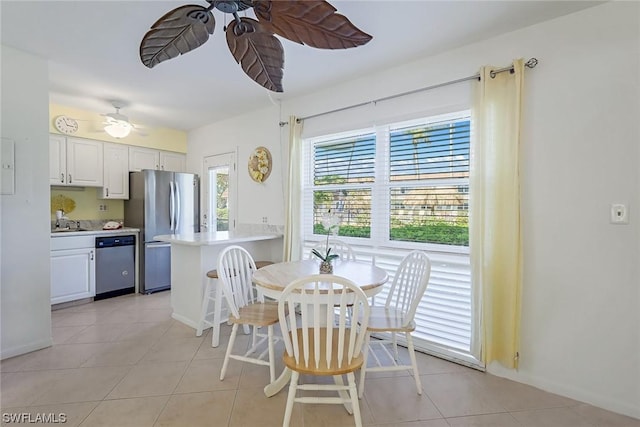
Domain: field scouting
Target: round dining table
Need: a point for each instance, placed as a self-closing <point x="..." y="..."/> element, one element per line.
<point x="272" y="279"/>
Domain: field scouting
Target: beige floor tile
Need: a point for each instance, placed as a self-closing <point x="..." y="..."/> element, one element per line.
<point x="98" y="333"/>
<point x="140" y="412"/>
<point x="23" y="388"/>
<point x="13" y="364"/>
<point x="253" y="375"/>
<point x="173" y="350"/>
<point x="423" y="423"/>
<point x="65" y="356"/>
<point x="68" y="414"/>
<point x="204" y="375"/>
<point x="489" y="420"/>
<point x="64" y="333"/>
<point x="253" y="408"/>
<point x="402" y="404"/>
<point x="148" y="332"/>
<point x="121" y="353"/>
<point x="79" y="318"/>
<point x="554" y="417"/>
<point x="601" y="418"/>
<point x="179" y="330"/>
<point x="81" y="385"/>
<point x="149" y="379"/>
<point x="330" y="416"/>
<point x="458" y="394"/>
<point x="120" y="316"/>
<point x="198" y="409"/>
<point x="514" y="396"/>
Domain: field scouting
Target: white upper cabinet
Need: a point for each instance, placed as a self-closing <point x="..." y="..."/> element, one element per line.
<point x="116" y="171"/>
<point x="143" y="158"/>
<point x="175" y="162"/>
<point x="148" y="158"/>
<point x="75" y="162"/>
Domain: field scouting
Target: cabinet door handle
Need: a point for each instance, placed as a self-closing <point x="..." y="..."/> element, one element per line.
<point x="91" y="256"/>
<point x="70" y="180"/>
<point x="62" y="178"/>
<point x="107" y="192"/>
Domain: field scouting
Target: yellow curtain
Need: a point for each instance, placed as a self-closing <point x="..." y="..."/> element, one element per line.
<point x="293" y="195"/>
<point x="495" y="235"/>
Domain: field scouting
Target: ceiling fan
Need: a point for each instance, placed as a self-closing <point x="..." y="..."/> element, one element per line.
<point x="116" y="124"/>
<point x="252" y="42"/>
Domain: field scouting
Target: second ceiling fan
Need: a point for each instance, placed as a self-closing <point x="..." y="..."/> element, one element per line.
<point x="252" y="42"/>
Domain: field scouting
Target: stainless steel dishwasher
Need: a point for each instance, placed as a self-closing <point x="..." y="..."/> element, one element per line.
<point x="115" y="266"/>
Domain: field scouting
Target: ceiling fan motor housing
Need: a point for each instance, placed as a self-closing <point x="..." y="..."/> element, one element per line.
<point x="229" y="6"/>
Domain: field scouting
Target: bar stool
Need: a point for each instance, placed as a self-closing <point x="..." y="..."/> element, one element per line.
<point x="213" y="294"/>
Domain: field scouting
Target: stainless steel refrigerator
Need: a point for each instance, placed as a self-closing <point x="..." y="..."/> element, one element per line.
<point x="160" y="202"/>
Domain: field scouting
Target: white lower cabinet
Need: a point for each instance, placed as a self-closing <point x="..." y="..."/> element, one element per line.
<point x="73" y="265"/>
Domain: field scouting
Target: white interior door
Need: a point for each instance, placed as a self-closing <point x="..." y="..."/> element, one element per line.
<point x="219" y="193"/>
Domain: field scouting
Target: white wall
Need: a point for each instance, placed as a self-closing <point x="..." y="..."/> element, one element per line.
<point x="244" y="134"/>
<point x="581" y="301"/>
<point x="25" y="318"/>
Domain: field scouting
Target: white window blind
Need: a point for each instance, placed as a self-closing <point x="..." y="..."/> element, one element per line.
<point x="396" y="188"/>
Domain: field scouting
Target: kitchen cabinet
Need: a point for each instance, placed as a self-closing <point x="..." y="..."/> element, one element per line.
<point x="116" y="171"/>
<point x="148" y="158"/>
<point x="72" y="268"/>
<point x="75" y="162"/>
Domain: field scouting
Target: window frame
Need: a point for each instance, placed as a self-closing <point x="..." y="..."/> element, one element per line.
<point x="380" y="187"/>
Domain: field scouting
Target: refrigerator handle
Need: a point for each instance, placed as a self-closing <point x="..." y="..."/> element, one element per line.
<point x="177" y="209"/>
<point x="172" y="207"/>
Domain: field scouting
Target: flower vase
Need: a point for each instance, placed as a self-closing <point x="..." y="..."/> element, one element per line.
<point x="326" y="267"/>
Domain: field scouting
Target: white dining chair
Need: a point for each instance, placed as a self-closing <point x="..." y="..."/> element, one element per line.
<point x="246" y="307"/>
<point x="397" y="316"/>
<point x="319" y="342"/>
<point x="339" y="247"/>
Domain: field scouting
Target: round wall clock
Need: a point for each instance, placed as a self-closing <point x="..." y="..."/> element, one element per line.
<point x="66" y="125"/>
<point x="260" y="164"/>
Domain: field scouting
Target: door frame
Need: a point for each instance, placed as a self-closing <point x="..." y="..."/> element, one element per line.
<point x="214" y="161"/>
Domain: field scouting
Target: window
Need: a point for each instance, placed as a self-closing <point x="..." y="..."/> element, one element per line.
<point x="396" y="188"/>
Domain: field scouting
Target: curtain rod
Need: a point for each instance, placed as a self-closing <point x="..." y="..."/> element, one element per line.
<point x="531" y="63"/>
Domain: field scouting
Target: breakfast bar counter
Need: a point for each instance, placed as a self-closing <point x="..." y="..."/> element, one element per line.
<point x="194" y="254"/>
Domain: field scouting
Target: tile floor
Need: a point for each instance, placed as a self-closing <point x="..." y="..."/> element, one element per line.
<point x="125" y="362"/>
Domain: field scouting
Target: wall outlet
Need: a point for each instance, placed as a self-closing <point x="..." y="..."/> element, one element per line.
<point x="102" y="207"/>
<point x="619" y="214"/>
<point x="264" y="220"/>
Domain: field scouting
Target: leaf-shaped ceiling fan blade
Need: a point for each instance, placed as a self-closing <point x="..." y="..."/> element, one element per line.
<point x="311" y="22"/>
<point x="177" y="32"/>
<point x="259" y="52"/>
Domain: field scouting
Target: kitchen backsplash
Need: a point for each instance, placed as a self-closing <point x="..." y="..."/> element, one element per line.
<point x="87" y="204"/>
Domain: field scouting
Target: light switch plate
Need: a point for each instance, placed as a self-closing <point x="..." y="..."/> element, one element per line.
<point x="619" y="214"/>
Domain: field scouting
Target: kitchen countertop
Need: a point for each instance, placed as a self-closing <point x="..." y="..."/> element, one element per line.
<point x="94" y="232"/>
<point x="215" y="238"/>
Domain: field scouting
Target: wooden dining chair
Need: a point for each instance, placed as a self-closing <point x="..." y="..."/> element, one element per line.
<point x="246" y="307"/>
<point x="213" y="307"/>
<point x="343" y="249"/>
<point x="397" y="316"/>
<point x="319" y="342"/>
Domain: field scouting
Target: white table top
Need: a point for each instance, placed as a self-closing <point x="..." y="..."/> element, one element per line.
<point x="276" y="277"/>
<point x="214" y="238"/>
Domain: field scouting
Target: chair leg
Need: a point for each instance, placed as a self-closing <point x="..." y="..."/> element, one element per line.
<point x="337" y="379"/>
<point x="414" y="363"/>
<point x="354" y="398"/>
<point x="217" y="315"/>
<point x="204" y="310"/>
<point x="365" y="356"/>
<point x="293" y="386"/>
<point x="272" y="365"/>
<point x="395" y="347"/>
<point x="232" y="340"/>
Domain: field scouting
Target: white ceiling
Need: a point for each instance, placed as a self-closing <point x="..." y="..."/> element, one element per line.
<point x="92" y="48"/>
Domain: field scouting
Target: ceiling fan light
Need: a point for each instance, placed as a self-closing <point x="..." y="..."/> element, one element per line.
<point x="118" y="128"/>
